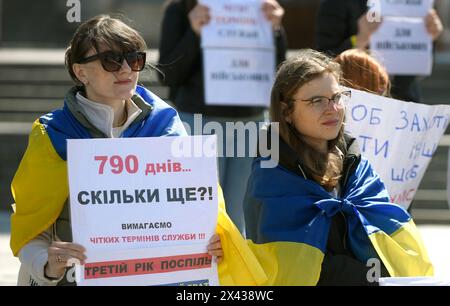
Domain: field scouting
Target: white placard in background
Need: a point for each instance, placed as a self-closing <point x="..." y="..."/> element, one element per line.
<point x="398" y="138"/>
<point x="403" y="46"/>
<point x="402" y="8"/>
<point x="238" y="77"/>
<point x="237" y="24"/>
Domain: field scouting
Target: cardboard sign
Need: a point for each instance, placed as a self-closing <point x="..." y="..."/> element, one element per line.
<point x="237" y="24"/>
<point x="398" y="138"/>
<point x="130" y="194"/>
<point x="403" y="46"/>
<point x="238" y="77"/>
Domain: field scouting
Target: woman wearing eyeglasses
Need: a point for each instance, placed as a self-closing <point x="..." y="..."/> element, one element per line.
<point x="104" y="59"/>
<point x="322" y="216"/>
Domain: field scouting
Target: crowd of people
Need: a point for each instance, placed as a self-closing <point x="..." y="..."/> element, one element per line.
<point x="315" y="219"/>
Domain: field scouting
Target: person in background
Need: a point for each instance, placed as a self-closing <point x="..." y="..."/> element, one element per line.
<point x="342" y="25"/>
<point x="363" y="72"/>
<point x="181" y="61"/>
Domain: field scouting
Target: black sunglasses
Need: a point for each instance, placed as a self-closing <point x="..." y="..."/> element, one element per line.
<point x="112" y="60"/>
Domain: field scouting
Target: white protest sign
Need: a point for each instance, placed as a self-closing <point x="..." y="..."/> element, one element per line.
<point x="403" y="46"/>
<point x="141" y="193"/>
<point x="167" y="266"/>
<point x="398" y="138"/>
<point x="237" y="24"/>
<point x="402" y="8"/>
<point x="238" y="77"/>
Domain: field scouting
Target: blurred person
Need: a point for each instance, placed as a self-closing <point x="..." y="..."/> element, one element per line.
<point x="323" y="216"/>
<point x="363" y="72"/>
<point x="181" y="61"/>
<point x="343" y="24"/>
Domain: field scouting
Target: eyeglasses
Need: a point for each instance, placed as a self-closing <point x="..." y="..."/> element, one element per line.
<point x="321" y="103"/>
<point x="112" y="60"/>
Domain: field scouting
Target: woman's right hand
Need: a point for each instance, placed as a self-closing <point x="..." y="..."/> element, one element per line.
<point x="59" y="254"/>
<point x="198" y="17"/>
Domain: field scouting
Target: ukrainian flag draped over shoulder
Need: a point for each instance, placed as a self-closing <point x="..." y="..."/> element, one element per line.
<point x="40" y="185"/>
<point x="288" y="219"/>
<point x="39" y="189"/>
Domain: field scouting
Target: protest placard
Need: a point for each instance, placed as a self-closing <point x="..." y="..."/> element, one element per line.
<point x="168" y="266"/>
<point x="238" y="54"/>
<point x="236" y="24"/>
<point x="398" y="138"/>
<point x="129" y="194"/>
<point x="402" y="8"/>
<point x="238" y="77"/>
<point x="403" y="46"/>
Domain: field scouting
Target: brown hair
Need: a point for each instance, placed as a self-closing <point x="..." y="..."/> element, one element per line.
<point x="102" y="30"/>
<point x="361" y="71"/>
<point x="324" y="167"/>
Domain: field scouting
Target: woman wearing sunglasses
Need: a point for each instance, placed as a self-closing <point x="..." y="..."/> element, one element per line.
<point x="104" y="59"/>
<point x="322" y="216"/>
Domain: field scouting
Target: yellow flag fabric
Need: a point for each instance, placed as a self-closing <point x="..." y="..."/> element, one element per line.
<point x="39" y="189"/>
<point x="240" y="267"/>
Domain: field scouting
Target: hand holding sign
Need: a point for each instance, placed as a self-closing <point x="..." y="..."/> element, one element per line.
<point x="273" y="12"/>
<point x="400" y="42"/>
<point x="59" y="254"/>
<point x="433" y="24"/>
<point x="365" y="30"/>
<point x="215" y="248"/>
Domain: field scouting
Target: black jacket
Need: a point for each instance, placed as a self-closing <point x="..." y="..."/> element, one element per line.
<point x="337" y="22"/>
<point x="181" y="62"/>
<point x="340" y="266"/>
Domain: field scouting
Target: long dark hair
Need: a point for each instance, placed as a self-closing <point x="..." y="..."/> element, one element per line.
<point x="323" y="167"/>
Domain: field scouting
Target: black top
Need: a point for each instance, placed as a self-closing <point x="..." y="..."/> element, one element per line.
<point x="337" y="22"/>
<point x="181" y="62"/>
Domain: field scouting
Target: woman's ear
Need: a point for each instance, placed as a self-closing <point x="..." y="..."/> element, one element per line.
<point x="284" y="111"/>
<point x="80" y="73"/>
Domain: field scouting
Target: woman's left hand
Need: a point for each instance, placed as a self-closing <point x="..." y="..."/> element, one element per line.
<point x="433" y="24"/>
<point x="215" y="248"/>
<point x="273" y="12"/>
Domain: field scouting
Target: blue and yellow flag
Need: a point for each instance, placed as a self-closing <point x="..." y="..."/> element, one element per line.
<point x="40" y="186"/>
<point x="288" y="219"/>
